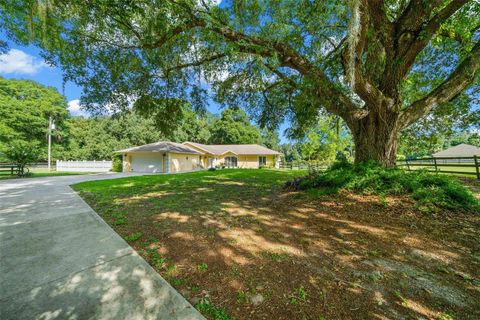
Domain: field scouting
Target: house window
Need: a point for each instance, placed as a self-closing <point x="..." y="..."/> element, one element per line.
<point x="231" y="162"/>
<point x="262" y="161"/>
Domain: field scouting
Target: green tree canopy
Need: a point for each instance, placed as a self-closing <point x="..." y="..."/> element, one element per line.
<point x="454" y="120"/>
<point x="25" y="107"/>
<point x="270" y="139"/>
<point x="291" y="151"/>
<point x="97" y="138"/>
<point x="381" y="65"/>
<point x="234" y="127"/>
<point x="21" y="153"/>
<point x="326" y="140"/>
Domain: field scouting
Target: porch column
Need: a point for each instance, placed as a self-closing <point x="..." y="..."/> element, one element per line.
<point x="168" y="163"/>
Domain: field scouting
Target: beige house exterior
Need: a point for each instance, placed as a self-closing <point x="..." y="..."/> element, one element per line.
<point x="250" y="156"/>
<point x="171" y="157"/>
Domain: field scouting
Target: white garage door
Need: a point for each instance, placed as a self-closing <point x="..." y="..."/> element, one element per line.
<point x="146" y="163"/>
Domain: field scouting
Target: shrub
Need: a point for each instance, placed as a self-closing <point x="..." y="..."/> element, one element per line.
<point x="117" y="165"/>
<point x="21" y="153"/>
<point x="428" y="189"/>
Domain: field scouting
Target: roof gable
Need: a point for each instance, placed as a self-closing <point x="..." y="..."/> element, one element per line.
<point x="240" y="149"/>
<point x="162" y="146"/>
<point x="461" y="150"/>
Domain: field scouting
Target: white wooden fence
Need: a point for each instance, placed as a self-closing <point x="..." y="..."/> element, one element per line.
<point x="84" y="166"/>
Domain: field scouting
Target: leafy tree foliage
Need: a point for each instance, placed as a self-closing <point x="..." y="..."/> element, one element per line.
<point x="234" y="127"/>
<point x="472" y="138"/>
<point x="270" y="139"/>
<point x="291" y="151"/>
<point x="25" y="107"/>
<point x="97" y="138"/>
<point x="21" y="153"/>
<point x="326" y="140"/>
<point x="381" y="65"/>
<point x="417" y="146"/>
<point x="449" y="124"/>
<point x="193" y="127"/>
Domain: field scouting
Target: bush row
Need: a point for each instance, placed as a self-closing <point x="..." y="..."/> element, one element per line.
<point x="429" y="190"/>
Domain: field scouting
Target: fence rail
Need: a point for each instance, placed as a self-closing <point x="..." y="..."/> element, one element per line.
<point x="466" y="165"/>
<point x="304" y="165"/>
<point x="84" y="166"/>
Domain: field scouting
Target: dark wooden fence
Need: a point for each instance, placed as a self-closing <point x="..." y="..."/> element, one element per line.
<point x="304" y="165"/>
<point x="458" y="165"/>
<point x="8" y="167"/>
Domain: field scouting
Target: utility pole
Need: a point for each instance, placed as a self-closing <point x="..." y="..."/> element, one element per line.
<point x="51" y="126"/>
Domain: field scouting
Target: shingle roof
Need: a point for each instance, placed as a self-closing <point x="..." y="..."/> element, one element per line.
<point x="462" y="150"/>
<point x="162" y="146"/>
<point x="244" y="149"/>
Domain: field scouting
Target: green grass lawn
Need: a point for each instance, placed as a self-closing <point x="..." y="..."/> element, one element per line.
<point x="460" y="171"/>
<point x="237" y="245"/>
<point x="215" y="185"/>
<point x="36" y="173"/>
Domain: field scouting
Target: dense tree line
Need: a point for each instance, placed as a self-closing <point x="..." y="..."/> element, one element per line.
<point x="25" y="107"/>
<point x="97" y="138"/>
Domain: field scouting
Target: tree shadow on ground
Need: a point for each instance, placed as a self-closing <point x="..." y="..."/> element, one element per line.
<point x="59" y="260"/>
<point x="343" y="256"/>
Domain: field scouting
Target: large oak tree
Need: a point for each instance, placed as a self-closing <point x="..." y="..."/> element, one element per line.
<point x="357" y="59"/>
<point x="25" y="107"/>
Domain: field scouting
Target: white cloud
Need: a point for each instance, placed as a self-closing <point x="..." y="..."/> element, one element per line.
<point x="75" y="108"/>
<point x="17" y="61"/>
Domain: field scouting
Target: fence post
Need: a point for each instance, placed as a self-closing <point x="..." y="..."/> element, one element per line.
<point x="475" y="158"/>
<point x="408" y="166"/>
<point x="435" y="162"/>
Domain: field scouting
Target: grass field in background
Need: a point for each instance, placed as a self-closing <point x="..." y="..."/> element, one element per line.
<point x="462" y="171"/>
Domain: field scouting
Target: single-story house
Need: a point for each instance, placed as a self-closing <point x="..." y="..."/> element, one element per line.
<point x="170" y="157"/>
<point x="461" y="150"/>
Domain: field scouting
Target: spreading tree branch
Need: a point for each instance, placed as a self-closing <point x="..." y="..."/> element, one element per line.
<point x="281" y="75"/>
<point x="332" y="98"/>
<point x="459" y="80"/>
<point x="352" y="56"/>
<point x="196" y="63"/>
<point x="411" y="41"/>
<point x="414" y="15"/>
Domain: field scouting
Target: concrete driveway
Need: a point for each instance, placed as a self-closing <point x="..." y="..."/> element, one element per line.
<point x="60" y="260"/>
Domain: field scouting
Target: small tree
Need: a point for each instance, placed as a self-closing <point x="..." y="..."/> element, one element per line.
<point x="21" y="153"/>
<point x="117" y="164"/>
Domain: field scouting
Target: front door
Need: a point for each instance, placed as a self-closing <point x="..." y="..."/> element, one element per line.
<point x="231" y="162"/>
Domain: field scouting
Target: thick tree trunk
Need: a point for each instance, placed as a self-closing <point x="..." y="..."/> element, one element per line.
<point x="375" y="138"/>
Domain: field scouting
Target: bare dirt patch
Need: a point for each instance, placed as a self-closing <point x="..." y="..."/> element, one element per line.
<point x="263" y="253"/>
